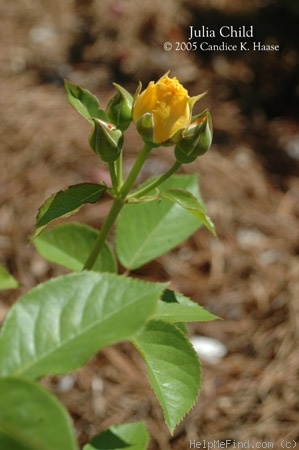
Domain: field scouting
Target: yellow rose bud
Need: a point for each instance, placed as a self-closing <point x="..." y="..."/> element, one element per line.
<point x="169" y="104"/>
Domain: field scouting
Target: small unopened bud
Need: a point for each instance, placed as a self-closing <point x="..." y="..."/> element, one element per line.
<point x="197" y="139"/>
<point x="119" y="108"/>
<point x="106" y="140"/>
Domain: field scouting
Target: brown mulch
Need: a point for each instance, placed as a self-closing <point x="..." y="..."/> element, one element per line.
<point x="249" y="275"/>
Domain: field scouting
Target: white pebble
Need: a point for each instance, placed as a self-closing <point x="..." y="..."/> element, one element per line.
<point x="208" y="349"/>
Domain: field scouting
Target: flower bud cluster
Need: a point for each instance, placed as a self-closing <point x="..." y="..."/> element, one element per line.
<point x="162" y="114"/>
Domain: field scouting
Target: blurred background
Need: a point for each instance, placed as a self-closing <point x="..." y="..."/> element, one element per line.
<point x="249" y="276"/>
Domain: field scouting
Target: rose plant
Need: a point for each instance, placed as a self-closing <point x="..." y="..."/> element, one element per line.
<point x="57" y="326"/>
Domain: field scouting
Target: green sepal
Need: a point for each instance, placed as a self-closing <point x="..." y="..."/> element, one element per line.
<point x="84" y="102"/>
<point x="137" y="92"/>
<point x="193" y="100"/>
<point x="145" y="127"/>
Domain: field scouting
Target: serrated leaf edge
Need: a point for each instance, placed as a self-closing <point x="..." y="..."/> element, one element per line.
<point x="171" y="426"/>
<point x="39" y="229"/>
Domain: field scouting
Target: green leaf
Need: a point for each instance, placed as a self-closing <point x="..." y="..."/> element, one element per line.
<point x="131" y="436"/>
<point x="146" y="231"/>
<point x="173" y="369"/>
<point x="59" y="325"/>
<point x="191" y="204"/>
<point x="84" y="102"/>
<point x="69" y="245"/>
<point x="28" y="417"/>
<point x="68" y="202"/>
<point x="7" y="281"/>
<point x="175" y="307"/>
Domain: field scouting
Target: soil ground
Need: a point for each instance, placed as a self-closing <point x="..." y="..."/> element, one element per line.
<point x="249" y="276"/>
